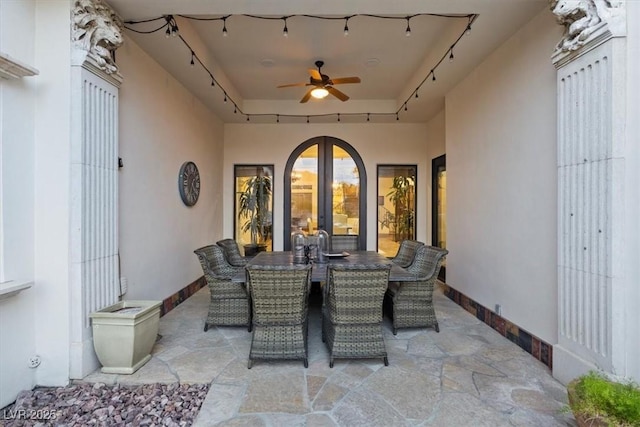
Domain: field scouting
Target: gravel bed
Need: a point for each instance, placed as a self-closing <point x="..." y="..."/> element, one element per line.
<point x="101" y="405"/>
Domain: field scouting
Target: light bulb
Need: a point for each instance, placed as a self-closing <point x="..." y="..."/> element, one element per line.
<point x="319" y="93"/>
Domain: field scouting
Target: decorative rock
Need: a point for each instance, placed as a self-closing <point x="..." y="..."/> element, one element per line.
<point x="88" y="404"/>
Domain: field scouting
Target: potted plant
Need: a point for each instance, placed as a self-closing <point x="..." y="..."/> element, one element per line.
<point x="596" y="401"/>
<point x="124" y="334"/>
<point x="254" y="203"/>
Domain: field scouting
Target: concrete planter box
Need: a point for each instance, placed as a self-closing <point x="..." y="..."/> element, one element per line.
<point x="124" y="334"/>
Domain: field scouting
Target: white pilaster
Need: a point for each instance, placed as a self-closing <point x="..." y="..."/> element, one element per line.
<point x="592" y="284"/>
<point x="94" y="275"/>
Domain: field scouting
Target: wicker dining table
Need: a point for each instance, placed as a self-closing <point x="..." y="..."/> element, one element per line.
<point x="319" y="270"/>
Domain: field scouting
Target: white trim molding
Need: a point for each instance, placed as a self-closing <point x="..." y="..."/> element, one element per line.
<point x="11" y="68"/>
<point x="13" y="287"/>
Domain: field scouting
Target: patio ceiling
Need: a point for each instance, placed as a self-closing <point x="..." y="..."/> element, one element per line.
<point x="255" y="57"/>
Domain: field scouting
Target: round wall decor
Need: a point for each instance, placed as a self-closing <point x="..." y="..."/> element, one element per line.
<point x="189" y="183"/>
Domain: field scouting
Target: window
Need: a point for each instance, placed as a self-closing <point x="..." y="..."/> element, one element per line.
<point x="396" y="206"/>
<point x="253" y="213"/>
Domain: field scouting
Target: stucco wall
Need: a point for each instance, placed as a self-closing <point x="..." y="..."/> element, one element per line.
<point x="17" y="105"/>
<point x="376" y="143"/>
<point x="161" y="126"/>
<point x="632" y="251"/>
<point x="501" y="180"/>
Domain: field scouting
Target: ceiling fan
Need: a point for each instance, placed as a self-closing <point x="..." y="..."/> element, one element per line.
<point x="323" y="84"/>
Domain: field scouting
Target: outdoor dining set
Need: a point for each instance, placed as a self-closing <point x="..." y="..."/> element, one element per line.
<point x="269" y="294"/>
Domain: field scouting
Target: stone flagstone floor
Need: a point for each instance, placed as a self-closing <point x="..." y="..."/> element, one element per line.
<point x="466" y="375"/>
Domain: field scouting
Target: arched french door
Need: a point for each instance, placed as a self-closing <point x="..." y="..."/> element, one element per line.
<point x="325" y="186"/>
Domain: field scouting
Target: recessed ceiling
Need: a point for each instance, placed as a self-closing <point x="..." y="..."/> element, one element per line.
<point x="255" y="57"/>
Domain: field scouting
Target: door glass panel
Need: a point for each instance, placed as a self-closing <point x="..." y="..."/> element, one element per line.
<point x="396" y="206"/>
<point x="346" y="193"/>
<point x="442" y="211"/>
<point x="439" y="206"/>
<point x="304" y="191"/>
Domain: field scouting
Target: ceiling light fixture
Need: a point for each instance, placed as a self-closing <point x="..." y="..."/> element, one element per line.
<point x="285" y="30"/>
<point x="408" y="30"/>
<point x="319" y="93"/>
<point x="224" y="26"/>
<point x="346" y="26"/>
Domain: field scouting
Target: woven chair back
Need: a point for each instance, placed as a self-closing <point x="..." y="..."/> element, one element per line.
<point x="344" y="242"/>
<point x="426" y="264"/>
<point x="355" y="292"/>
<point x="213" y="263"/>
<point x="279" y="293"/>
<point x="232" y="252"/>
<point x="407" y="253"/>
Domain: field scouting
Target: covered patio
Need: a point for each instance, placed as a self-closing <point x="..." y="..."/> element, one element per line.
<point x="534" y="108"/>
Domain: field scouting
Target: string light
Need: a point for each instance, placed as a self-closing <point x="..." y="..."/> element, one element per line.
<point x="224" y="26"/>
<point x="170" y="28"/>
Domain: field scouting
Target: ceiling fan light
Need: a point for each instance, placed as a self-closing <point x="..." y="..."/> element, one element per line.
<point x="319" y="93"/>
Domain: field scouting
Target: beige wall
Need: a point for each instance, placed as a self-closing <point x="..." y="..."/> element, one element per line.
<point x="161" y="126"/>
<point x="376" y="143"/>
<point x="501" y="178"/>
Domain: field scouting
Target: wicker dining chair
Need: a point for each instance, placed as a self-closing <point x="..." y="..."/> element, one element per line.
<point x="279" y="298"/>
<point x="344" y="242"/>
<point x="232" y="252"/>
<point x="229" y="304"/>
<point x="352" y="311"/>
<point x="410" y="304"/>
<point x="406" y="253"/>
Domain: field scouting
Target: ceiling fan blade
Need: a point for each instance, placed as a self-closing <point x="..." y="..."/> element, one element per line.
<point x="342" y="80"/>
<point x="315" y="74"/>
<point x="293" y="84"/>
<point x="335" y="92"/>
<point x="306" y="96"/>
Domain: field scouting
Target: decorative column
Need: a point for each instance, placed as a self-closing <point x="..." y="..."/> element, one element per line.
<point x="591" y="82"/>
<point x="94" y="281"/>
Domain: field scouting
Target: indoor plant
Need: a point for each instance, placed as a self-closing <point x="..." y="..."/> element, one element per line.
<point x="254" y="209"/>
<point x="595" y="400"/>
